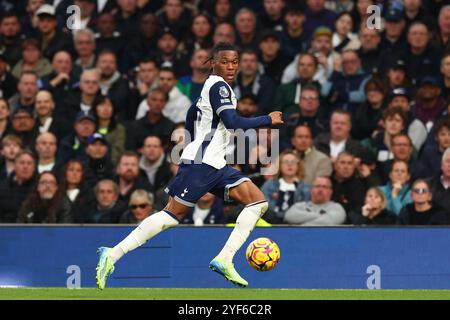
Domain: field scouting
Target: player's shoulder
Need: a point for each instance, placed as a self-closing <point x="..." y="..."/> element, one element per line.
<point x="214" y="81"/>
<point x="216" y="86"/>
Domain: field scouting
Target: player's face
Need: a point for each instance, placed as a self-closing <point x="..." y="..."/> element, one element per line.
<point x="226" y="65"/>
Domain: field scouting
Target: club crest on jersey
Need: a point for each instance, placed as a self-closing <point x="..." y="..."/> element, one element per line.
<point x="224" y="92"/>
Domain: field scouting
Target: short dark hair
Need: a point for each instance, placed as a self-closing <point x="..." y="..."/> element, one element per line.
<point x="443" y="123"/>
<point x="222" y="46"/>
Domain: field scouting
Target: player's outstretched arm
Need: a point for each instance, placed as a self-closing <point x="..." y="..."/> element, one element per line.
<point x="232" y="120"/>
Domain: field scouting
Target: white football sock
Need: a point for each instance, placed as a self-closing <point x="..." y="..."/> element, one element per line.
<point x="245" y="224"/>
<point x="146" y="230"/>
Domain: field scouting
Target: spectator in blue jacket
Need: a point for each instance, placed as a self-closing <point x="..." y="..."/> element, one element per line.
<point x="397" y="190"/>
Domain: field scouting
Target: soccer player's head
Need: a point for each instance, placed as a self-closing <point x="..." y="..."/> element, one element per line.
<point x="225" y="61"/>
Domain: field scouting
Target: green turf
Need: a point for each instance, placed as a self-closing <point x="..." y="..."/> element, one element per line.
<point x="218" y="294"/>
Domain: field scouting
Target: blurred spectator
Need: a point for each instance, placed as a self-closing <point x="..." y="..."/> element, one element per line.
<point x="11" y="145"/>
<point x="361" y="13"/>
<point x="345" y="90"/>
<point x="168" y="54"/>
<point x="32" y="60"/>
<point x="245" y="22"/>
<point x="8" y="84"/>
<point x="415" y="11"/>
<point x="45" y="118"/>
<point x="73" y="146"/>
<point x="250" y="80"/>
<point x="271" y="58"/>
<point x="343" y="37"/>
<point x="153" y="123"/>
<point x="129" y="176"/>
<point x="339" y="6"/>
<point x="370" y="52"/>
<point x="27" y="89"/>
<point x="23" y="125"/>
<point x="374" y="211"/>
<point x="51" y="38"/>
<point x="10" y="37"/>
<point x="396" y="75"/>
<point x="108" y="125"/>
<point x="429" y="103"/>
<point x="108" y="207"/>
<point x="398" y="190"/>
<point x="87" y="13"/>
<point x="46" y="147"/>
<point x="222" y="11"/>
<point x="432" y="153"/>
<point x="45" y="203"/>
<point x="348" y="188"/>
<point x="175" y="16"/>
<point x="338" y="140"/>
<point x="111" y="82"/>
<point x="5" y="122"/>
<point x="287" y="96"/>
<point x="293" y="38"/>
<point x="207" y="210"/>
<point x="287" y="187"/>
<point x="315" y="162"/>
<point x="445" y="71"/>
<point x="272" y="15"/>
<point x="108" y="38"/>
<point x="367" y="116"/>
<point x="423" y="211"/>
<point x="317" y="16"/>
<point x="16" y="187"/>
<point x="153" y="162"/>
<point x="127" y="18"/>
<point x="393" y="39"/>
<point x="73" y="188"/>
<point x="440" y="183"/>
<point x="140" y="207"/>
<point x="61" y="81"/>
<point x="98" y="165"/>
<point x="84" y="42"/>
<point x="441" y="40"/>
<point x="191" y="85"/>
<point x="320" y="211"/>
<point x="224" y="32"/>
<point x="307" y="114"/>
<point x="142" y="45"/>
<point x="199" y="35"/>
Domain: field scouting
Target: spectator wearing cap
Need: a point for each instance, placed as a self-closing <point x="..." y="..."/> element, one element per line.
<point x="445" y="71"/>
<point x="271" y="58"/>
<point x="191" y="85"/>
<point x="176" y="16"/>
<point x="143" y="45"/>
<point x="365" y="120"/>
<point x="23" y="125"/>
<point x="415" y="128"/>
<point x="316" y="163"/>
<point x="32" y="60"/>
<point x="415" y="11"/>
<point x="396" y="75"/>
<point x="224" y="32"/>
<point x="108" y="38"/>
<point x="245" y="22"/>
<point x="345" y="89"/>
<point x="10" y="37"/>
<point x="153" y="123"/>
<point x="272" y="15"/>
<point x="433" y="151"/>
<point x="199" y="35"/>
<point x="16" y="187"/>
<point x="84" y="42"/>
<point x="440" y="183"/>
<point x="343" y="37"/>
<point x="51" y="38"/>
<point x="420" y="57"/>
<point x="73" y="146"/>
<point x="127" y="18"/>
<point x="370" y="52"/>
<point x="108" y="207"/>
<point x="287" y="96"/>
<point x="8" y="84"/>
<point x="112" y="83"/>
<point x="250" y="80"/>
<point x="45" y="118"/>
<point x="429" y="103"/>
<point x="293" y="38"/>
<point x="393" y="39"/>
<point x="316" y="16"/>
<point x="64" y="77"/>
<point x="98" y="165"/>
<point x="168" y="55"/>
<point x="110" y="126"/>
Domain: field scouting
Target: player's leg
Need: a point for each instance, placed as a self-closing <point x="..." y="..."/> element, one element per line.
<point x="248" y="194"/>
<point x="147" y="229"/>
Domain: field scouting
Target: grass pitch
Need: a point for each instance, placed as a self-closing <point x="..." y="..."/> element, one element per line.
<point x="217" y="294"/>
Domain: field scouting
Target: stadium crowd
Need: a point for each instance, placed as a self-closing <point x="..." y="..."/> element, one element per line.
<point x="87" y="114"/>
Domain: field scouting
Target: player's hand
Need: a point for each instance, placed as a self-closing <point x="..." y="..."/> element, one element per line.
<point x="277" y="117"/>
